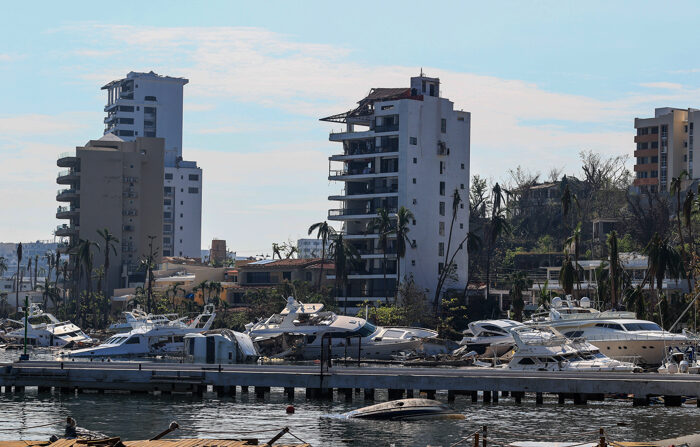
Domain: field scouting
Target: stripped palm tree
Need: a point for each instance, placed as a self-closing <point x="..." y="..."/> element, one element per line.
<point x="383" y="227"/>
<point x="575" y="240"/>
<point x="345" y="257"/>
<point x="323" y="232"/>
<point x="676" y="187"/>
<point x="403" y="217"/>
<point x="110" y="242"/>
<point x="18" y="278"/>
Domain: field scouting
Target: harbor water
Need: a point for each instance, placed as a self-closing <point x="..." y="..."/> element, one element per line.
<point x="139" y="416"/>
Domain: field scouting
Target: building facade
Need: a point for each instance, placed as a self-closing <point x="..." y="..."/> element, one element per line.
<point x="664" y="148"/>
<point x="311" y="248"/>
<point x="150" y="105"/>
<point x="113" y="184"/>
<point x="403" y="147"/>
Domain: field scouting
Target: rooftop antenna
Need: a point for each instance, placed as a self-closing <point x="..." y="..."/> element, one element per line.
<point x="421" y="72"/>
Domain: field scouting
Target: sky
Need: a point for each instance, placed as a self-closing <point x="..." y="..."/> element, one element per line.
<point x="543" y="81"/>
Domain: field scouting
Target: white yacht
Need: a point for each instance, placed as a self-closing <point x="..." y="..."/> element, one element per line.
<point x="150" y="339"/>
<point x="490" y="338"/>
<point x="45" y="330"/>
<point x="618" y="335"/>
<point x="137" y="317"/>
<point x="347" y="335"/>
<point x="548" y="350"/>
<point x="220" y="346"/>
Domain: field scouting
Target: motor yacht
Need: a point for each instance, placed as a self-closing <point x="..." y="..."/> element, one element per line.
<point x="546" y="349"/>
<point x="618" y="335"/>
<point x="348" y="336"/>
<point x="151" y="339"/>
<point x="490" y="338"/>
<point x="45" y="330"/>
<point x="137" y="317"/>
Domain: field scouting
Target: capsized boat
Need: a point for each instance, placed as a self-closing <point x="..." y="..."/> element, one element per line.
<point x="347" y="335"/>
<point x="220" y="346"/>
<point x="545" y="349"/>
<point x="151" y="339"/>
<point x="45" y="330"/>
<point x="490" y="338"/>
<point x="405" y="410"/>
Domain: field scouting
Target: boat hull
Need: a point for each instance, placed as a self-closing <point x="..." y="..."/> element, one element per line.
<point x="368" y="349"/>
<point x="405" y="410"/>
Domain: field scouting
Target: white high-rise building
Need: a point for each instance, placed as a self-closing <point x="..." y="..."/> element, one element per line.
<point x="312" y="248"/>
<point x="150" y="105"/>
<point x="403" y="147"/>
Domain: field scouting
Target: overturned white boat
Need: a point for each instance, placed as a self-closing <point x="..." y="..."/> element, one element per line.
<point x="220" y="346"/>
<point x="45" y="330"/>
<point x="548" y="350"/>
<point x="150" y="339"/>
<point x="490" y="338"/>
<point x="347" y="336"/>
<point x="405" y="410"/>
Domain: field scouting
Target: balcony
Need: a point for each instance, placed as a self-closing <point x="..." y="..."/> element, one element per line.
<point x="66" y="195"/>
<point x="646" y="152"/>
<point x="355" y="213"/>
<point x="358" y="174"/>
<point x="645" y="181"/>
<point x="66" y="230"/>
<point x="342" y="136"/>
<point x="67" y="160"/>
<point x="649" y="138"/>
<point x="369" y="193"/>
<point x="128" y="228"/>
<point x="65" y="212"/>
<point x="67" y="176"/>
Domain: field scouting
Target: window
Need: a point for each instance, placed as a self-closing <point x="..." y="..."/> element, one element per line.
<point x="167" y="214"/>
<point x="442" y="188"/>
<point x="460" y="118"/>
<point x="462" y="165"/>
<point x="654" y="144"/>
<point x="389" y="107"/>
<point x="654" y="174"/>
<point x="412" y="141"/>
<point x="126" y="133"/>
<point x="413" y="262"/>
<point x="442" y="208"/>
<point x="415" y="160"/>
<point x="194" y="177"/>
<point x="126" y="108"/>
<point x="167" y="202"/>
<point x="655" y="159"/>
<point x="414" y="180"/>
<point x="150" y="98"/>
<point x="287" y="276"/>
<point x="441" y="249"/>
<point x="125" y="121"/>
<point x="461" y="186"/>
<point x="414" y="221"/>
<point x="440" y="267"/>
<point x="443" y="125"/>
<point x="442" y="167"/>
<point x="168" y="176"/>
<point x="180" y="214"/>
<point x="167" y="227"/>
<point x="441" y="228"/>
<point x="258" y="277"/>
<point x="168" y="189"/>
<point x="193" y="190"/>
<point x="415" y="201"/>
<point x="461" y="226"/>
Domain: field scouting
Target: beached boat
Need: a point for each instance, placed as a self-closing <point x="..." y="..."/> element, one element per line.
<point x="405" y="410"/>
<point x="347" y="335"/>
<point x="619" y="335"/>
<point x="150" y="339"/>
<point x="137" y="317"/>
<point x="45" y="330"/>
<point x="490" y="338"/>
<point x="220" y="346"/>
<point x="547" y="350"/>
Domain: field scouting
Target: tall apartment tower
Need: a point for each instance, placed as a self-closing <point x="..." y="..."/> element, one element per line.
<point x="116" y="185"/>
<point x="150" y="105"/>
<point x="664" y="148"/>
<point x="403" y="147"/>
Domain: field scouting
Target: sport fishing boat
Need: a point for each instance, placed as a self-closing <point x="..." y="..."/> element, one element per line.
<point x="45" y="330"/>
<point x="405" y="410"/>
<point x="490" y="338"/>
<point x="347" y="335"/>
<point x="547" y="350"/>
<point x="137" y="317"/>
<point x="680" y="361"/>
<point x="619" y="335"/>
<point x="151" y="339"/>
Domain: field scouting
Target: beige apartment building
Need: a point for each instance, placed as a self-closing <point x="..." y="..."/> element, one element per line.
<point x="664" y="148"/>
<point x="118" y="185"/>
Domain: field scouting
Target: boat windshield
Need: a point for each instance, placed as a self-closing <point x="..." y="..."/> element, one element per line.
<point x="648" y="326"/>
<point x="116" y="340"/>
<point x="367" y="329"/>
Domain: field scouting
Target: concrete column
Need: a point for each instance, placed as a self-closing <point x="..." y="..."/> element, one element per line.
<point x="395" y="394"/>
<point x="219" y="390"/>
<point x="539" y="399"/>
<point x="450" y="396"/>
<point x="289" y="392"/>
<point x="261" y="390"/>
<point x="475" y="396"/>
<point x="369" y="393"/>
<point x="310" y="393"/>
<point x="518" y="395"/>
<point x="504" y="393"/>
<point x="347" y="392"/>
<point x="562" y="398"/>
<point x="580" y="399"/>
<point x="673" y="401"/>
<point x="495" y="397"/>
<point x="19" y="389"/>
<point x="429" y="394"/>
<point x="44" y="389"/>
<point x="487" y="397"/>
<point x="409" y="394"/>
<point x="244" y="389"/>
<point x="641" y="401"/>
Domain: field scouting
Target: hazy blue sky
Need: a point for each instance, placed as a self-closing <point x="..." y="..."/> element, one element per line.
<point x="543" y="81"/>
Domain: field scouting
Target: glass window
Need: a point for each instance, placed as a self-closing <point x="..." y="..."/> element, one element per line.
<point x="442" y="208"/>
<point x="413" y="141"/>
<point x="168" y="176"/>
<point x="193" y="190"/>
<point x="443" y="125"/>
<point x="194" y="177"/>
<point x="442" y="188"/>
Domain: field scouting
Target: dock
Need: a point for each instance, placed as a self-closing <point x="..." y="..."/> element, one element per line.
<point x="321" y="381"/>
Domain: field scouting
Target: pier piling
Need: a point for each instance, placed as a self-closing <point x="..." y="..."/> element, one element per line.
<point x="487" y="397"/>
<point x="369" y="393"/>
<point x="562" y="398"/>
<point x="495" y="397"/>
<point x="475" y="396"/>
<point x="409" y="394"/>
<point x="395" y="394"/>
<point x="673" y="401"/>
<point x="640" y="401"/>
<point x="539" y="399"/>
<point x="289" y="392"/>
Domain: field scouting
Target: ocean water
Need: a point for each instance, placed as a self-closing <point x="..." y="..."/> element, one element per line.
<point x="37" y="416"/>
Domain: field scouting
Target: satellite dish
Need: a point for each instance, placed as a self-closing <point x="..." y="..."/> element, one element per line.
<point x="585" y="302"/>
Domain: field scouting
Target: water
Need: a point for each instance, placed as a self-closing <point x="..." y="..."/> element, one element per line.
<point x="141" y="416"/>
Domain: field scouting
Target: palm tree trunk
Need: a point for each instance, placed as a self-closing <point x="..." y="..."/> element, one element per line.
<point x="386" y="291"/>
<point x="323" y="259"/>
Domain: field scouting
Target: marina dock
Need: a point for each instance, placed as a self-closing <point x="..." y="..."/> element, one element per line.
<point x="321" y="382"/>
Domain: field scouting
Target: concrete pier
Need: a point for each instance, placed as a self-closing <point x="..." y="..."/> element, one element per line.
<point x="69" y="377"/>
